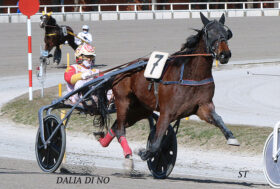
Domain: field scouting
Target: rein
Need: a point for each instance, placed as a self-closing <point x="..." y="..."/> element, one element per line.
<point x="70" y="33"/>
<point x="190" y="55"/>
<point x="175" y="56"/>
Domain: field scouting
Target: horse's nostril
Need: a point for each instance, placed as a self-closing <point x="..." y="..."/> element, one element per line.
<point x="226" y="54"/>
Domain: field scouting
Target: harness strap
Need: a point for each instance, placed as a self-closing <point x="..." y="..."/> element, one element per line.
<point x="51" y="34"/>
<point x="71" y="33"/>
<point x="156" y="84"/>
<point x="188" y="82"/>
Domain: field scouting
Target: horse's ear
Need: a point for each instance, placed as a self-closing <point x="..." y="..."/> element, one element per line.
<point x="43" y="12"/>
<point x="50" y="13"/>
<point x="204" y="20"/>
<point x="222" y="19"/>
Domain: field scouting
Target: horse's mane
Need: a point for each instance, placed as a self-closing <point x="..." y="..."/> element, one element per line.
<point x="52" y="21"/>
<point x="191" y="43"/>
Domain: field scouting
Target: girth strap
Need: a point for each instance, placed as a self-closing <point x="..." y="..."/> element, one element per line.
<point x="156" y="84"/>
<point x="188" y="82"/>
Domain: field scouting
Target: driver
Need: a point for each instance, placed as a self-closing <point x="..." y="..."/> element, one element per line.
<point x="78" y="74"/>
<point x="85" y="35"/>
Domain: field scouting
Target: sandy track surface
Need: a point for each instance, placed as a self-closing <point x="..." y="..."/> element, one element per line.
<point x="25" y="174"/>
<point x="17" y="141"/>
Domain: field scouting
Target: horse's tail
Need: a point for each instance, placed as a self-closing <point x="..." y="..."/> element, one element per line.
<point x="103" y="116"/>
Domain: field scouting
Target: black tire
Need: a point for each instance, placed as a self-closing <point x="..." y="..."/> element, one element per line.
<point x="271" y="168"/>
<point x="162" y="164"/>
<point x="49" y="159"/>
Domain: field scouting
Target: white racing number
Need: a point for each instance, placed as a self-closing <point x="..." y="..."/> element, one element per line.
<point x="155" y="65"/>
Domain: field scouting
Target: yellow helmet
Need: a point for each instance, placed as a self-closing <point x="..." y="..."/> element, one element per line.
<point x="85" y="49"/>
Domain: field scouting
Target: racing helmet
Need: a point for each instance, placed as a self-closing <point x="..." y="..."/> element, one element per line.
<point x="85" y="28"/>
<point x="86" y="50"/>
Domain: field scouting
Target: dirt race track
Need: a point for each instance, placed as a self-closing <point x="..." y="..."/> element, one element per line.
<point x="255" y="39"/>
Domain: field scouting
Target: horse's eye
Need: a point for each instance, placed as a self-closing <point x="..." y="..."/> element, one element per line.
<point x="229" y="32"/>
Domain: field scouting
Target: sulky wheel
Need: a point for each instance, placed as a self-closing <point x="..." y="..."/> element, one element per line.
<point x="271" y="167"/>
<point x="49" y="159"/>
<point x="162" y="164"/>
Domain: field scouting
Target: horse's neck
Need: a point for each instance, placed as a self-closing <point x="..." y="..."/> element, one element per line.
<point x="199" y="67"/>
<point x="50" y="29"/>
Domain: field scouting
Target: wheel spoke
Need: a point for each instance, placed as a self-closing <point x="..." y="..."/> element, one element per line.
<point x="47" y="126"/>
<point x="166" y="140"/>
<point x="55" y="149"/>
<point x="155" y="162"/>
<point x="42" y="153"/>
<point x="165" y="163"/>
<point x="47" y="158"/>
<point x="159" y="165"/>
<point x="40" y="146"/>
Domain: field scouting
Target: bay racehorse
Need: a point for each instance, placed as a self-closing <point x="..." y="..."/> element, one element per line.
<point x="56" y="35"/>
<point x="186" y="88"/>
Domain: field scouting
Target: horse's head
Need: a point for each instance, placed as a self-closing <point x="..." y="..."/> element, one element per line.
<point x="47" y="19"/>
<point x="216" y="35"/>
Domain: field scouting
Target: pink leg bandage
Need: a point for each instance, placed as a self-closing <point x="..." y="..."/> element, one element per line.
<point x="107" y="139"/>
<point x="124" y="144"/>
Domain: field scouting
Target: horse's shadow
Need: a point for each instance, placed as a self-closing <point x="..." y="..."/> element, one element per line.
<point x="139" y="175"/>
<point x="212" y="181"/>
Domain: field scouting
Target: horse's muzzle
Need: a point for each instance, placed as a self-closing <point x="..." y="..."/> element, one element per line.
<point x="224" y="57"/>
<point x="42" y="25"/>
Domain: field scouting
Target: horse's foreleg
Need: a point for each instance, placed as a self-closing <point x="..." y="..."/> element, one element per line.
<point x="207" y="113"/>
<point x="48" y="47"/>
<point x="161" y="127"/>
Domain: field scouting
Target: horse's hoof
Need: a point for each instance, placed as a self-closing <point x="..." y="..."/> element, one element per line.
<point x="56" y="62"/>
<point x="142" y="153"/>
<point x="138" y="151"/>
<point x="128" y="165"/>
<point x="98" y="135"/>
<point x="233" y="142"/>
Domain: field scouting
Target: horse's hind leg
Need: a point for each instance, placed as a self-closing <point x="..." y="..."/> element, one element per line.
<point x="57" y="55"/>
<point x="105" y="140"/>
<point x="207" y="112"/>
